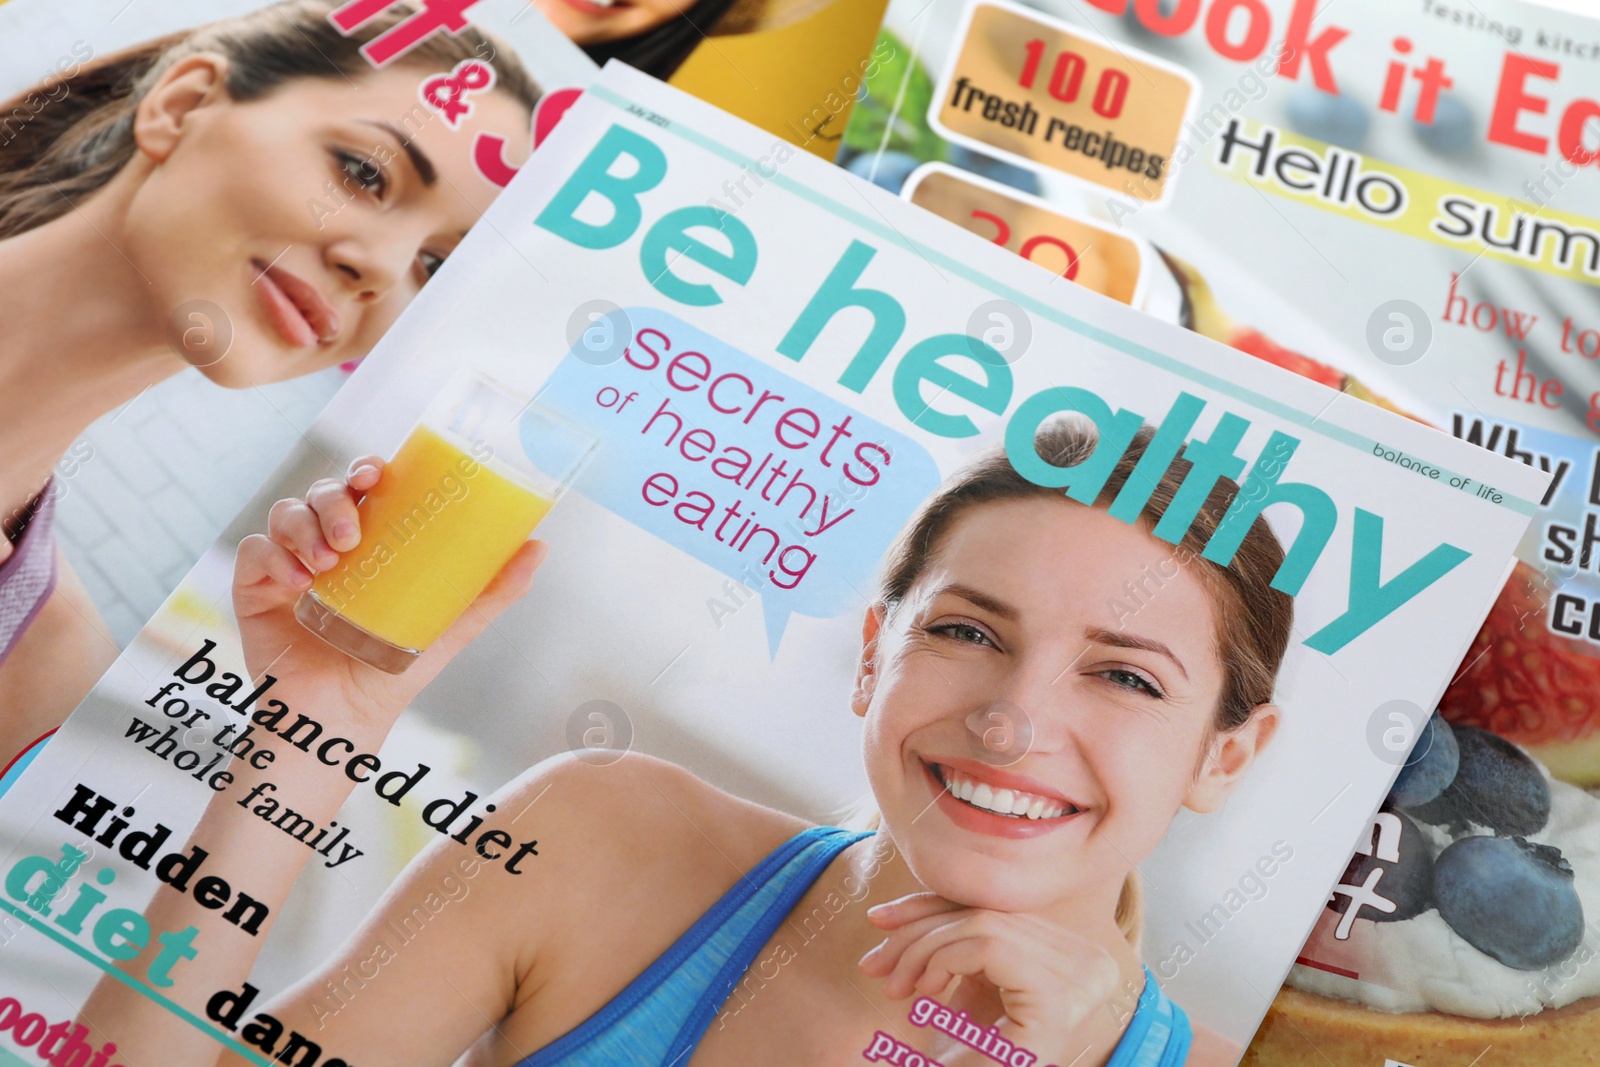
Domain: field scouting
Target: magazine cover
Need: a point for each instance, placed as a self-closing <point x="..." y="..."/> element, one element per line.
<point x="871" y="689"/>
<point x="206" y="209"/>
<point x="133" y="467"/>
<point x="1397" y="201"/>
<point x="792" y="67"/>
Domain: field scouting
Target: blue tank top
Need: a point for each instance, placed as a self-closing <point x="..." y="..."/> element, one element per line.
<point x="660" y="1017"/>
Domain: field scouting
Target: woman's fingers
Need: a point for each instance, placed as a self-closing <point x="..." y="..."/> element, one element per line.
<point x="294" y="525"/>
<point x="897" y="913"/>
<point x="886" y="955"/>
<point x="907" y="918"/>
<point x="966" y="956"/>
<point x="334" y="504"/>
<point x="266" y="575"/>
<point x="365" y="472"/>
<point x="912" y="960"/>
<point x="325" y="523"/>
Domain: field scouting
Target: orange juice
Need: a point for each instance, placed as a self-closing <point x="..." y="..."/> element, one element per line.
<point x="435" y="530"/>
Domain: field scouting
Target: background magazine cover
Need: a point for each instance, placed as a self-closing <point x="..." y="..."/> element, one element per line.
<point x="123" y="456"/>
<point x="184" y="281"/>
<point x="871" y="689"/>
<point x="1397" y="200"/>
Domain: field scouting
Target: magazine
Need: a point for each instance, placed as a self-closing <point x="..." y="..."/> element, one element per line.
<point x="129" y="460"/>
<point x="875" y="685"/>
<point x="1397" y="201"/>
<point x="208" y="213"/>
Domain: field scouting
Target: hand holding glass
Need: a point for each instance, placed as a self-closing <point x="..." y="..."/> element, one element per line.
<point x="455" y="503"/>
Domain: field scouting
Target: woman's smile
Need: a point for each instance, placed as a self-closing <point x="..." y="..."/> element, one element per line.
<point x="991" y="801"/>
<point x="594" y="8"/>
<point x="295" y="307"/>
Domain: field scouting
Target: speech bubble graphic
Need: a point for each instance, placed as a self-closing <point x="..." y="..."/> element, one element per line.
<point x="788" y="492"/>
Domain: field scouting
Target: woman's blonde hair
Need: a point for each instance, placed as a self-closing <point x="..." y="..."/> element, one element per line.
<point x="1253" y="619"/>
<point x="1130" y="910"/>
<point x="76" y="141"/>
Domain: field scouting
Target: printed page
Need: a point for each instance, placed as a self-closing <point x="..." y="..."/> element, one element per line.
<point x="186" y="292"/>
<point x="1397" y="201"/>
<point x="876" y="684"/>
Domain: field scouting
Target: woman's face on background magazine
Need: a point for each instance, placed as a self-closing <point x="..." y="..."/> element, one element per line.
<point x="1010" y="666"/>
<point x="585" y="22"/>
<point x="307" y="215"/>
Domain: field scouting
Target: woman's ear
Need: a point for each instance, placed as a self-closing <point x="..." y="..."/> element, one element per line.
<point x="189" y="84"/>
<point x="867" y="666"/>
<point x="1230" y="757"/>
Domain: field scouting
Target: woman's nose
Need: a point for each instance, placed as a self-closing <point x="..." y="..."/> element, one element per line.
<point x="369" y="271"/>
<point x="1000" y="733"/>
<point x="1030" y="710"/>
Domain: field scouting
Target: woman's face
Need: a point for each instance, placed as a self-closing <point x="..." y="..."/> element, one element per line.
<point x="310" y="216"/>
<point x="1020" y="673"/>
<point x="586" y="22"/>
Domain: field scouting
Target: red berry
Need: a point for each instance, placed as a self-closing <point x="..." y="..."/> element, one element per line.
<point x="1521" y="681"/>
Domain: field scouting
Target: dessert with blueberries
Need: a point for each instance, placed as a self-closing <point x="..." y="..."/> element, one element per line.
<point x="1466" y="912"/>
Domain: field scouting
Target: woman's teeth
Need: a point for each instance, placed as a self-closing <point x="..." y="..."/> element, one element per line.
<point x="1002" y="801"/>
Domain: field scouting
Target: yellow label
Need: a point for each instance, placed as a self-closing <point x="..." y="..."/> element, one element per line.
<point x="1076" y="249"/>
<point x="1042" y="94"/>
<point x="435" y="530"/>
<point x="799" y="80"/>
<point x="1477" y="222"/>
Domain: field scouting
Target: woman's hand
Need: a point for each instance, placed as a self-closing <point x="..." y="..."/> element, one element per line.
<point x="1048" y="979"/>
<point x="305" y="537"/>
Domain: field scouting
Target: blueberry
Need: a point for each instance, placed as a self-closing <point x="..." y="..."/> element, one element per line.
<point x="1430" y="768"/>
<point x="1328" y="117"/>
<point x="1450" y="133"/>
<point x="995" y="170"/>
<point x="886" y="169"/>
<point x="1510" y="899"/>
<point x="1134" y="22"/>
<point x="1406" y="882"/>
<point x="1497" y="785"/>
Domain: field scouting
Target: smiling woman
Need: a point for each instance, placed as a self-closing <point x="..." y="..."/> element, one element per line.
<point x="184" y="174"/>
<point x="997" y="881"/>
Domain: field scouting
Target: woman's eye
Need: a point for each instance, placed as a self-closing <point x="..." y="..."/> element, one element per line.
<point x="430" y="263"/>
<point x="961" y="631"/>
<point x="364" y="173"/>
<point x="1130" y="680"/>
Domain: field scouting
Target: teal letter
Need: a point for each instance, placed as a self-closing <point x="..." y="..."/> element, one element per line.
<point x="991" y="390"/>
<point x="670" y="234"/>
<point x="1158" y="456"/>
<point x="838" y="292"/>
<point x="1371" y="600"/>
<point x="1260" y="491"/>
<point x="594" y="176"/>
<point x="19" y="879"/>
<point x="121" y="934"/>
<point x="1212" y="459"/>
<point x="1082" y="480"/>
<point x="175" y="945"/>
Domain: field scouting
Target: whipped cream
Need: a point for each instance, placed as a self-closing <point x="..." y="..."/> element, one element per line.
<point x="1420" y="964"/>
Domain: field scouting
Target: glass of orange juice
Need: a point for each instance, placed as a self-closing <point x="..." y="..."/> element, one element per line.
<point x="456" y="501"/>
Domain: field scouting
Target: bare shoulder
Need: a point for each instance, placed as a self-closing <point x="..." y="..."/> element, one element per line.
<point x="600" y="825"/>
<point x="1211" y="1049"/>
<point x="629" y="855"/>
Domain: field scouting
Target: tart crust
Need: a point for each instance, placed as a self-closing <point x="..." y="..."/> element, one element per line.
<point x="1316" y="1031"/>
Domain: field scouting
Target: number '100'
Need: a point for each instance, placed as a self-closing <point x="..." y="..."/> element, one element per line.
<point x="1066" y="79"/>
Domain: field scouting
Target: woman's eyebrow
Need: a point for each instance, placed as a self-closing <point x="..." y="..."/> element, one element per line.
<point x="1118" y="639"/>
<point x="419" y="159"/>
<point x="981" y="599"/>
